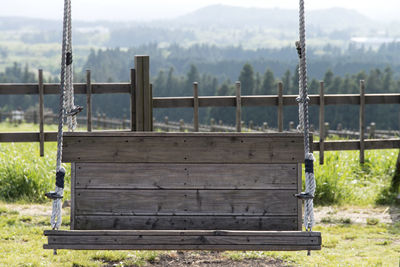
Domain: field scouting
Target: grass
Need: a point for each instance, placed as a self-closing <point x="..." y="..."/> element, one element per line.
<point x="344" y="244"/>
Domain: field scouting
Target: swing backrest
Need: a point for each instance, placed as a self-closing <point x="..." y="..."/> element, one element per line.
<point x="173" y="181"/>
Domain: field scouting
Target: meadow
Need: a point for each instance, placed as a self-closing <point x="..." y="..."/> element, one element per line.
<point x="342" y="184"/>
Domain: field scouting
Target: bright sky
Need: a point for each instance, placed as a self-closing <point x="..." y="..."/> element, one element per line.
<point x="155" y="9"/>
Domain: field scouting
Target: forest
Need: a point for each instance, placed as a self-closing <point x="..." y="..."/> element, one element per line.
<point x="216" y="69"/>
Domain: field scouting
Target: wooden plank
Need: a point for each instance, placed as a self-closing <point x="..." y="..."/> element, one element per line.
<point x="41" y="113"/>
<point x="280" y="234"/>
<point x="184" y="240"/>
<point x="139" y="93"/>
<point x="238" y="107"/>
<point x="186" y="202"/>
<point x="265" y="223"/>
<point x="176" y="134"/>
<point x="133" y="102"/>
<point x="151" y="108"/>
<point x="73" y="185"/>
<point x="186" y="247"/>
<point x="355" y="145"/>
<point x="321" y="123"/>
<point x="184" y="149"/>
<point x="280" y="107"/>
<point x="196" y="106"/>
<point x="362" y="121"/>
<point x="26" y="137"/>
<point x="186" y="176"/>
<point x="147" y="101"/>
<point x="299" y="201"/>
<point x="89" y="100"/>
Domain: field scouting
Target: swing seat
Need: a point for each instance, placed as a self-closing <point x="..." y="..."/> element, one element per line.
<point x="184" y="191"/>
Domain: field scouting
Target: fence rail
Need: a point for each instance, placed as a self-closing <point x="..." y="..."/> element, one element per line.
<point x="143" y="103"/>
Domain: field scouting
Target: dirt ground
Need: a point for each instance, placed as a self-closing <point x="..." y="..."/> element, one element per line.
<point x="202" y="259"/>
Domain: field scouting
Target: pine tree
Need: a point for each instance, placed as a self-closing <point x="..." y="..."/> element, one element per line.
<point x="247" y="79"/>
<point x="268" y="84"/>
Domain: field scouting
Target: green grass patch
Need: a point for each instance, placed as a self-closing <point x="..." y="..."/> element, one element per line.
<point x="24" y="176"/>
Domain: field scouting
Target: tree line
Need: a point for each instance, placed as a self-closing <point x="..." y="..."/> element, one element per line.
<point x="169" y="82"/>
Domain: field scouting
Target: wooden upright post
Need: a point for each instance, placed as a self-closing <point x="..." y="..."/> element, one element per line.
<point x="362" y="121"/>
<point x="280" y="107"/>
<point x="143" y="95"/>
<point x="151" y="108"/>
<point x="89" y="100"/>
<point x="133" y="97"/>
<point x="196" y="106"/>
<point x="238" y="107"/>
<point x="321" y="123"/>
<point x="41" y="112"/>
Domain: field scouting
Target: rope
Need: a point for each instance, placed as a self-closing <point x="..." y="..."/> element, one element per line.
<point x="303" y="100"/>
<point x="71" y="120"/>
<point x="66" y="76"/>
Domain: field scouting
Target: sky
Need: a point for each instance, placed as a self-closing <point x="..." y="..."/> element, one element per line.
<point x="125" y="10"/>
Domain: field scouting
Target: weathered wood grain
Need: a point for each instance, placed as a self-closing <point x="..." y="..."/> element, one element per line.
<point x="355" y="145"/>
<point x="186" y="202"/>
<point x="89" y="100"/>
<point x="190" y="148"/>
<point x="362" y="121"/>
<point x="264" y="223"/>
<point x="73" y="178"/>
<point x="280" y="107"/>
<point x="196" y="106"/>
<point x="41" y="112"/>
<point x="184" y="240"/>
<point x="238" y="107"/>
<point x="180" y="233"/>
<point x="321" y="123"/>
<point x="185" y="176"/>
<point x="26" y="137"/>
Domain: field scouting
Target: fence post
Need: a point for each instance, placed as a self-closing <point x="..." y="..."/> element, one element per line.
<point x="104" y="121"/>
<point x="151" y="108"/>
<point x="212" y="123"/>
<point x="89" y="100"/>
<point x="133" y="96"/>
<point x="291" y="125"/>
<point x="321" y="123"/>
<point x="196" y="106"/>
<point x="265" y="126"/>
<point x="123" y="121"/>
<point x="362" y="121"/>
<point x="238" y="107"/>
<point x="251" y="125"/>
<point x="166" y="123"/>
<point x="143" y="98"/>
<point x="181" y="125"/>
<point x="41" y="112"/>
<point x="372" y="130"/>
<point x="326" y="129"/>
<point x="280" y="107"/>
<point x="98" y="121"/>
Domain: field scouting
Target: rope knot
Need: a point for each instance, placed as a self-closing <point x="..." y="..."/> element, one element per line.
<point x="299" y="50"/>
<point x="302" y="100"/>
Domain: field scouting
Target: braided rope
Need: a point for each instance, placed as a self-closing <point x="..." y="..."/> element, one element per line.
<point x="304" y="120"/>
<point x="56" y="218"/>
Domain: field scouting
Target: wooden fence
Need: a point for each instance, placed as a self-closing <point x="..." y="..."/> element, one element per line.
<point x="142" y="104"/>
